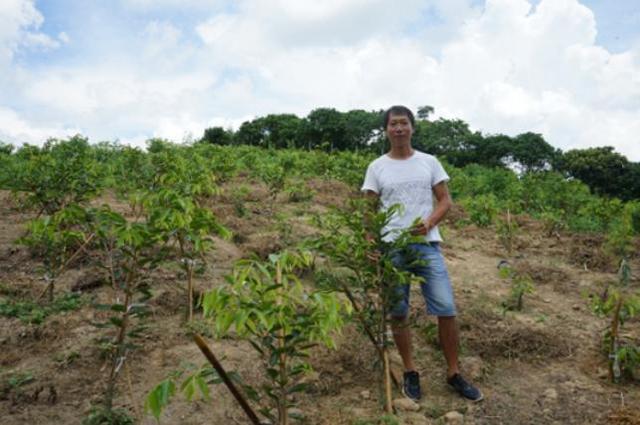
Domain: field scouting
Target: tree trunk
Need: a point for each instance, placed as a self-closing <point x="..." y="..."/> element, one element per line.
<point x="613" y="344"/>
<point x="116" y="364"/>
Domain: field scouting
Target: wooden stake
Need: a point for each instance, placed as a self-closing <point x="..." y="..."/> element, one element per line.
<point x="388" y="406"/>
<point x="200" y="342"/>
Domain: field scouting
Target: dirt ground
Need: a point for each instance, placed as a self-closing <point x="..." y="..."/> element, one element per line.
<point x="542" y="365"/>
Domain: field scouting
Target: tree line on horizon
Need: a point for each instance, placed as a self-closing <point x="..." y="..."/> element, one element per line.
<point x="605" y="171"/>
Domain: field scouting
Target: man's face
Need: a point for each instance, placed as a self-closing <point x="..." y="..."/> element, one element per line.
<point x="399" y="129"/>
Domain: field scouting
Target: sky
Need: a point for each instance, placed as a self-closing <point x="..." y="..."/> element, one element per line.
<point x="129" y="70"/>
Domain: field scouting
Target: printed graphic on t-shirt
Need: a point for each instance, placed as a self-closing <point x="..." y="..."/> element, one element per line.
<point x="406" y="193"/>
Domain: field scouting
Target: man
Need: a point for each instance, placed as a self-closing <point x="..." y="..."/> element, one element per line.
<point x="411" y="178"/>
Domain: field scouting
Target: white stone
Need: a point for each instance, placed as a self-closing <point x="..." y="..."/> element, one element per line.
<point x="413" y="418"/>
<point x="454" y="418"/>
<point x="406" y="405"/>
<point x="551" y="394"/>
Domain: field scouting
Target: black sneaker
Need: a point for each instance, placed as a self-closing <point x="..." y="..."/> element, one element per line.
<point x="464" y="388"/>
<point x="411" y="385"/>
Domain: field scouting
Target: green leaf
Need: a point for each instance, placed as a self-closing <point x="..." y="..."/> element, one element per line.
<point x="159" y="398"/>
<point x="297" y="388"/>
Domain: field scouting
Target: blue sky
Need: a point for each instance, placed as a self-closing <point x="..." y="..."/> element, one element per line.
<point x="129" y="70"/>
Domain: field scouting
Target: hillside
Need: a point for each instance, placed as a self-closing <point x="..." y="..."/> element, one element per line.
<point x="541" y="365"/>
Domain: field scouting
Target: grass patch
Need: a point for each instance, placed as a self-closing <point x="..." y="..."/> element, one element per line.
<point x="34" y="313"/>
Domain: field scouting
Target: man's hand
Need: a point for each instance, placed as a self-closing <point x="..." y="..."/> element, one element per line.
<point x="373" y="255"/>
<point x="423" y="227"/>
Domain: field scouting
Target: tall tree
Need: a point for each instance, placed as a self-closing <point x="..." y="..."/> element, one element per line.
<point x="217" y="136"/>
<point x="603" y="170"/>
<point x="325" y="128"/>
<point x="532" y="152"/>
<point x="360" y="128"/>
<point x="449" y="138"/>
<point x="425" y="111"/>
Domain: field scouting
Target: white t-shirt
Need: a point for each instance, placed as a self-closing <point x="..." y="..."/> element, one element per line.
<point x="408" y="182"/>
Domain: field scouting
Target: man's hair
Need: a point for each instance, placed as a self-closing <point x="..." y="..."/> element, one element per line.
<point x="398" y="110"/>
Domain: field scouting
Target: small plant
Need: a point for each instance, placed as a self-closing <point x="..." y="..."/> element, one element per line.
<point x="266" y="303"/>
<point x="361" y="266"/>
<point x="482" y="209"/>
<point x="273" y="175"/>
<point x="507" y="229"/>
<point x="102" y="416"/>
<point x="66" y="359"/>
<point x="18" y="379"/>
<point x="178" y="218"/>
<point x="238" y="196"/>
<point x="521" y="285"/>
<point x="297" y="191"/>
<point x="194" y="384"/>
<point x="34" y="313"/>
<point x="11" y="384"/>
<point x="553" y="222"/>
<point x="619" y="303"/>
<point x="58" y="240"/>
<point x="130" y="251"/>
<point x="284" y="228"/>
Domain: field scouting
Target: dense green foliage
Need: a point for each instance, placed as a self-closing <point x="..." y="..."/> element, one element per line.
<point x="603" y="170"/>
<point x="60" y="173"/>
<point x="170" y="171"/>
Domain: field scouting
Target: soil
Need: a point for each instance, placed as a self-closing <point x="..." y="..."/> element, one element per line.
<point x="541" y="365"/>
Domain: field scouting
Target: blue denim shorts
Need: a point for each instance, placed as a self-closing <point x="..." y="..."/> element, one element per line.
<point x="435" y="283"/>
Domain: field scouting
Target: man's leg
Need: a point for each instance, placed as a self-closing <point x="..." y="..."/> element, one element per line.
<point x="448" y="333"/>
<point x="402" y="338"/>
<point x="438" y="295"/>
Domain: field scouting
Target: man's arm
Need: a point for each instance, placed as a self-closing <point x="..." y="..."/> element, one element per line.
<point x="444" y="203"/>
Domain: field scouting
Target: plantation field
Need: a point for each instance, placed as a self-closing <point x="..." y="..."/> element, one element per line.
<point x="542" y="362"/>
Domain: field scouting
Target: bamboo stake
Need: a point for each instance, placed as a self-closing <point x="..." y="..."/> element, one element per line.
<point x="388" y="407"/>
<point x="200" y="342"/>
<point x="387" y="382"/>
<point x="282" y="399"/>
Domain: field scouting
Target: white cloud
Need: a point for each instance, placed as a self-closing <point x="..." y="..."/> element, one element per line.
<point x="39" y="40"/>
<point x="146" y="4"/>
<point x="505" y="67"/>
<point x="515" y="69"/>
<point x="19" y="23"/>
<point x="15" y="129"/>
<point x="15" y="16"/>
<point x="64" y="37"/>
